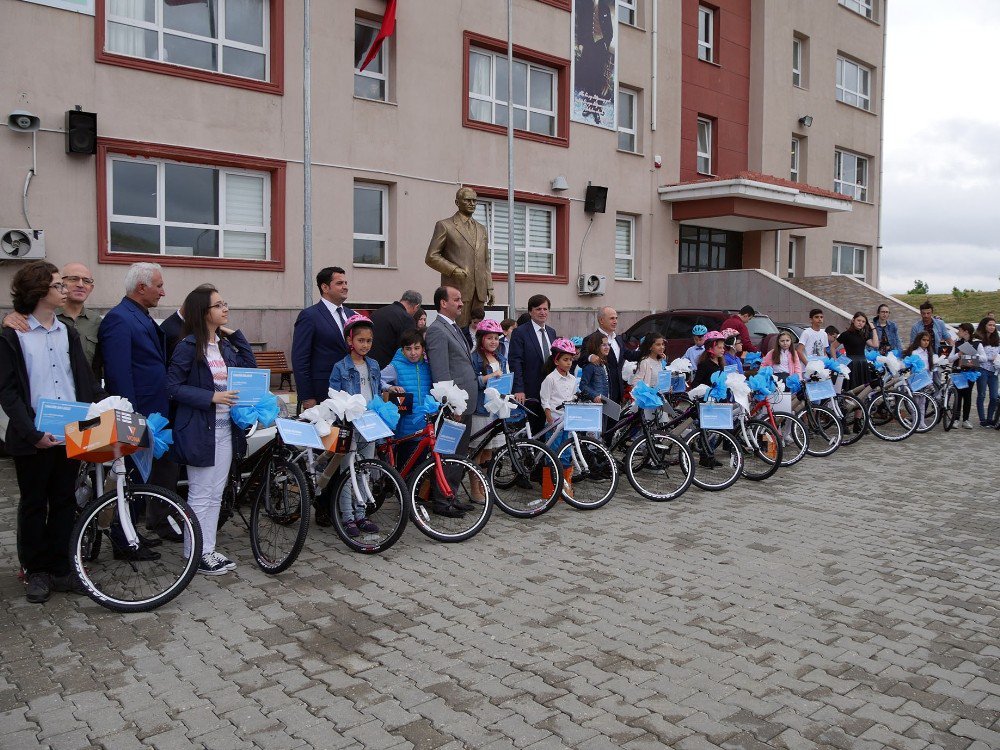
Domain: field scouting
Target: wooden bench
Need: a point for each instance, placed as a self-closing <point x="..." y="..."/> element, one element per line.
<point x="277" y="363"/>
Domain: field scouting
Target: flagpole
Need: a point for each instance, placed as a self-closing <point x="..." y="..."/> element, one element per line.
<point x="307" y="259"/>
<point x="511" y="281"/>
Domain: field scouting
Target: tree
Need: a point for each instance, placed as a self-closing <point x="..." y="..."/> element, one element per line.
<point x="919" y="287"/>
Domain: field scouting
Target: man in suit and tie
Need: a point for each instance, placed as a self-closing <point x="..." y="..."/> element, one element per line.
<point x="318" y="337"/>
<point x="529" y="349"/>
<point x="449" y="359"/>
<point x="607" y="325"/>
<point x="459" y="251"/>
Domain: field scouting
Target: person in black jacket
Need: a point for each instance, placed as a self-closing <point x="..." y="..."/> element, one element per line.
<point x="391" y="322"/>
<point x="607" y="325"/>
<point x="47" y="361"/>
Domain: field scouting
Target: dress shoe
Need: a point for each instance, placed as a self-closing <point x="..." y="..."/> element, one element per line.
<point x="170" y="536"/>
<point x="464" y="507"/>
<point x="143" y="554"/>
<point x="446" y="510"/>
<point x="68" y="583"/>
<point x="152" y="541"/>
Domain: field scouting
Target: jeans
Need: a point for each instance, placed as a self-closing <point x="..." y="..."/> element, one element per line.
<point x="353" y="508"/>
<point x="988" y="380"/>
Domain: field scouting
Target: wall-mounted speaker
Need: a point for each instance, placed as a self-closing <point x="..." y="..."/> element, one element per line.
<point x="596" y="201"/>
<point x="81" y="132"/>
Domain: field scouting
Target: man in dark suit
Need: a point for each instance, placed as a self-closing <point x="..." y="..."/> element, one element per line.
<point x="607" y="325"/>
<point x="449" y="359"/>
<point x="529" y="349"/>
<point x="391" y="322"/>
<point x="172" y="328"/>
<point x="318" y="337"/>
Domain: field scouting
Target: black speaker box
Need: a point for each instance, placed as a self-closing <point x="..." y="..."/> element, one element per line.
<point x="597" y="199"/>
<point x="81" y="132"/>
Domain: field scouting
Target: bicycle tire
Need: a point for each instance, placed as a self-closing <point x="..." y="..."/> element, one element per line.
<point x="439" y="527"/>
<point x="824" y="431"/>
<point x="506" y="480"/>
<point x="950" y="407"/>
<point x="387" y="510"/>
<point x="652" y="465"/>
<point x="853" y="429"/>
<point x="592" y="487"/>
<point x="895" y="405"/>
<point x="279" y="516"/>
<point x="732" y="463"/>
<point x="795" y="441"/>
<point x="115" y="579"/>
<point x="762" y="459"/>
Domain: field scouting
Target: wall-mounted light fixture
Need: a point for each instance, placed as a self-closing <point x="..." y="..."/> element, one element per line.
<point x="559" y="183"/>
<point x="806" y="121"/>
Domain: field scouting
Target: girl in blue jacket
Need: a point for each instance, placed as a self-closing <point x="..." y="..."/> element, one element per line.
<point x="204" y="435"/>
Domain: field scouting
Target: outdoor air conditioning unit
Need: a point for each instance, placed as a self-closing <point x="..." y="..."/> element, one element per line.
<point x="591" y="284"/>
<point x="22" y="244"/>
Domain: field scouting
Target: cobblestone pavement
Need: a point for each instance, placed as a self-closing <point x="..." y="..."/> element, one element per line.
<point x="809" y="610"/>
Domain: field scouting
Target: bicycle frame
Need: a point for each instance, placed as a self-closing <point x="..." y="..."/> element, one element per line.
<point x="428" y="439"/>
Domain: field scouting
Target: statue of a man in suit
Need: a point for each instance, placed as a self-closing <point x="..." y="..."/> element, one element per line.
<point x="459" y="251"/>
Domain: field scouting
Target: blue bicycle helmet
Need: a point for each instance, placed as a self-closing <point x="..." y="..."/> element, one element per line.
<point x="699" y="330"/>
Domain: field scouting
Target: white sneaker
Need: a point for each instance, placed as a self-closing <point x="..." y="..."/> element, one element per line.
<point x="967" y="424"/>
<point x="209" y="566"/>
<point x="224" y="561"/>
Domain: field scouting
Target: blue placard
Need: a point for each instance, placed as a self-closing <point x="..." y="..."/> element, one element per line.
<point x="53" y="414"/>
<point x="715" y="416"/>
<point x="960" y="380"/>
<point x="678" y="384"/>
<point x="446" y="440"/>
<point x="143" y="461"/>
<point x="820" y="390"/>
<point x="730" y="368"/>
<point x="371" y="426"/>
<point x="582" y="417"/>
<point x="920" y="380"/>
<point x="504" y="384"/>
<point x="299" y="433"/>
<point x="251" y="383"/>
<point x="668" y="382"/>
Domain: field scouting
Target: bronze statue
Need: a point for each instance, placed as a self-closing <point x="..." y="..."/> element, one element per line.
<point x="459" y="251"/>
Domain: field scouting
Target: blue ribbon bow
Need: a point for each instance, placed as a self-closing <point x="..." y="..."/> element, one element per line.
<point x="752" y="360"/>
<point x="719" y="389"/>
<point x="264" y="411"/>
<point x="160" y="438"/>
<point x="431" y="404"/>
<point x="577" y="341"/>
<point x="833" y="364"/>
<point x="972" y="375"/>
<point x="872" y="356"/>
<point x="762" y="384"/>
<point x="387" y="410"/>
<point x="915" y="363"/>
<point x="793" y="384"/>
<point x="646" y="397"/>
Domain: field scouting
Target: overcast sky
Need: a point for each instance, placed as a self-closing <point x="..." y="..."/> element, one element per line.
<point x="942" y="146"/>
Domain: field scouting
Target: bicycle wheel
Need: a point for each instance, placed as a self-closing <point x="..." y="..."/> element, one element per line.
<point x="852" y="418"/>
<point x="762" y="449"/>
<point x="719" y="467"/>
<point x="794" y="438"/>
<point x="949" y="408"/>
<point x="385" y="502"/>
<point x="114" y="576"/>
<point x="440" y="526"/>
<point x="525" y="478"/>
<point x="279" y="516"/>
<point x="892" y="416"/>
<point x="823" y="430"/>
<point x="660" y="467"/>
<point x="929" y="419"/>
<point x="593" y="478"/>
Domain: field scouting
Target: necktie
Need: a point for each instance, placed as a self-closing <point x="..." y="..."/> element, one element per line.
<point x="543" y="339"/>
<point x="342" y="321"/>
<point x="464" y="333"/>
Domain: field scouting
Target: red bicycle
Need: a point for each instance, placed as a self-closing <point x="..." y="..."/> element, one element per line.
<point x="794" y="435"/>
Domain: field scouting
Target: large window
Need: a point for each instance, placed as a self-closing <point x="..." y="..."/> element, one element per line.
<point x="850" y="174"/>
<point x="854" y="83"/>
<point x="793" y="172"/>
<point x="534" y="236"/>
<point x="628" y="102"/>
<point x="863" y="7"/>
<point x="371" y="210"/>
<point x="625" y="247"/>
<point x="704" y="249"/>
<point x="535" y="92"/>
<point x="849" y="260"/>
<point x="704" y="146"/>
<point x="372" y="82"/>
<point x="706" y="33"/>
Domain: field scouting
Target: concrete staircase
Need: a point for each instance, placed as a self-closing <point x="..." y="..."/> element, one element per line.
<point x="850" y="294"/>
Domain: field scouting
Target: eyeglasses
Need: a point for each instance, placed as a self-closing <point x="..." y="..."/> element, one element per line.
<point x="75" y="279"/>
<point x="220" y="305"/>
<point x="59" y="285"/>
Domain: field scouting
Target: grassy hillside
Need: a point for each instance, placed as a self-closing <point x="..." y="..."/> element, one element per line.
<point x="967" y="309"/>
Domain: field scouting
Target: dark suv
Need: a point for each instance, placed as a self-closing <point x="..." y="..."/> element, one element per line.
<point x="676" y="326"/>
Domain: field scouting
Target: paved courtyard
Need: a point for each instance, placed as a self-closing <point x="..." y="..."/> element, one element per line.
<point x="847" y="602"/>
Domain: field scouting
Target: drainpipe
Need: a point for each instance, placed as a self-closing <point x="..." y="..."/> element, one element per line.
<point x="881" y="150"/>
<point x="307" y="233"/>
<point x="777" y="253"/>
<point x="653" y="81"/>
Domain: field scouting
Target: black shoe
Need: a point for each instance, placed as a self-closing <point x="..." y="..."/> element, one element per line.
<point x="166" y="536"/>
<point x="143" y="554"/>
<point x="524" y="483"/>
<point x="39" y="588"/>
<point x="709" y="463"/>
<point x="464" y="507"/>
<point x="68" y="583"/>
<point x="448" y="511"/>
<point x="153" y="541"/>
<point x="321" y="517"/>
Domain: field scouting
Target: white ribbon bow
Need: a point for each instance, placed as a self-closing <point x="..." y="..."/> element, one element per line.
<point x="346" y="406"/>
<point x="698" y="391"/>
<point x="446" y="390"/>
<point x="737" y="383"/>
<point x="111" y="402"/>
<point x="817" y="368"/>
<point x="628" y="370"/>
<point x="321" y="416"/>
<point x="496" y="404"/>
<point x="892" y="363"/>
<point x="681" y="365"/>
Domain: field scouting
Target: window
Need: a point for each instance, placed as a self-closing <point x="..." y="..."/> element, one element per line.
<point x="850" y="174"/>
<point x="849" y="260"/>
<point x="371" y="209"/>
<point x="229" y="37"/>
<point x="535" y="92"/>
<point x="793" y="174"/>
<point x="862" y="7"/>
<point x="704" y="146"/>
<point x="534" y="236"/>
<point x="706" y="33"/>
<point x="372" y="82"/>
<point x="628" y="101"/>
<point x="625" y="247"/>
<point x="797" y="62"/>
<point x="854" y="84"/>
<point x="709" y="250"/>
<point x="627" y="11"/>
<point x="793" y="251"/>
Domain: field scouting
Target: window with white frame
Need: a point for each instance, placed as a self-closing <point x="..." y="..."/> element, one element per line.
<point x="371" y="209"/>
<point x="625" y="247"/>
<point x="865" y="8"/>
<point x="793" y="172"/>
<point x="854" y="82"/>
<point x="706" y="33"/>
<point x="704" y="146"/>
<point x="797" y="56"/>
<point x="534" y="236"/>
<point x="225" y="36"/>
<point x="793" y="251"/>
<point x="628" y="103"/>
<point x="850" y="174"/>
<point x="535" y="92"/>
<point x="627" y="11"/>
<point x="165" y="207"/>
<point x="849" y="260"/>
<point x="372" y="82"/>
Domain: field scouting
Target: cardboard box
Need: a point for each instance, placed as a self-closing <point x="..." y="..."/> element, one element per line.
<point x="339" y="439"/>
<point x="109" y="436"/>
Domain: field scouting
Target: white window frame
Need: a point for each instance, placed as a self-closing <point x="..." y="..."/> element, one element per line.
<point x="630" y="133"/>
<point x="706" y="40"/>
<point x="220" y="42"/>
<point x="383" y="74"/>
<point x="858" y="188"/>
<point x="496" y="98"/>
<point x="520" y="253"/>
<point x="628" y="11"/>
<point x="383" y="190"/>
<point x="838" y="250"/>
<point x="629" y="256"/>
<point x="798" y="52"/>
<point x="704" y="155"/>
<point x="794" y="172"/>
<point x="864" y="8"/>
<point x="854" y="84"/>
<point x="160" y="219"/>
<point x="793" y="252"/>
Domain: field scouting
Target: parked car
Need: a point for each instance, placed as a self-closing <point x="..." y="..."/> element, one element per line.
<point x="676" y="325"/>
<point x="793" y="328"/>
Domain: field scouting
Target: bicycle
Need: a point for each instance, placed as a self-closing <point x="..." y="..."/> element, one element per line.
<point x="823" y="427"/>
<point x="710" y="473"/>
<point x="926" y="411"/>
<point x="761" y="444"/>
<point x="795" y="438"/>
<point x="892" y="415"/>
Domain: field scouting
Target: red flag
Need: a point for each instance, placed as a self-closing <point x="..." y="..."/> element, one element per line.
<point x="384" y="32"/>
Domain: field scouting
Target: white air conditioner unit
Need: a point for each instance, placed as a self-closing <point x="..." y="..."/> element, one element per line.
<point x="22" y="244"/>
<point x="591" y="284"/>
